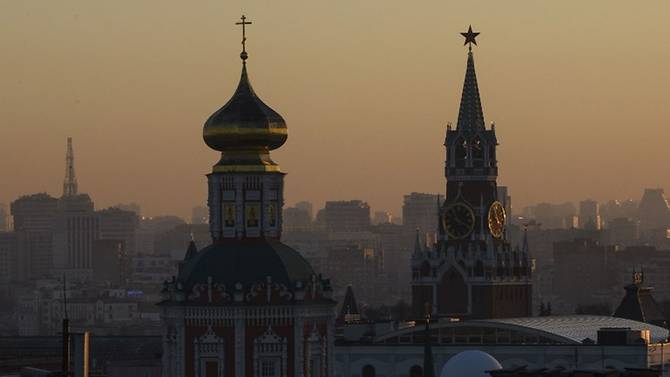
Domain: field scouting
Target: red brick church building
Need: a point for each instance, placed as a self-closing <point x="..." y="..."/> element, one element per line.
<point x="246" y="305"/>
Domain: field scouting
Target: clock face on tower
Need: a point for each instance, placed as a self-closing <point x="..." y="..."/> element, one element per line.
<point x="496" y="219"/>
<point x="459" y="220"/>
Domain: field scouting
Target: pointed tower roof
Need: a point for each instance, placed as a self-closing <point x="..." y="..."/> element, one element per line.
<point x="638" y="304"/>
<point x="349" y="311"/>
<point x="191" y="252"/>
<point x="470" y="115"/>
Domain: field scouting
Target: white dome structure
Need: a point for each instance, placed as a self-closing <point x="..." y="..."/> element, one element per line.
<point x="470" y="364"/>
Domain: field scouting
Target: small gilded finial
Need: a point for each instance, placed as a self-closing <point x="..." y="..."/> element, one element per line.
<point x="244" y="23"/>
<point x="470" y="37"/>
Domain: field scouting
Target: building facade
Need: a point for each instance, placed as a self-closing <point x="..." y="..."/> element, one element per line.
<point x="347" y="216"/>
<point x="246" y="305"/>
<point x="34" y="219"/>
<point x="472" y="271"/>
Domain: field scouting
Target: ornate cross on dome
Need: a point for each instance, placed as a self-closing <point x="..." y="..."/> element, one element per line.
<point x="470" y="37"/>
<point x="244" y="23"/>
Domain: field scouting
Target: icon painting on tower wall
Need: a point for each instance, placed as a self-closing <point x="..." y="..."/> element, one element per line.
<point x="251" y="216"/>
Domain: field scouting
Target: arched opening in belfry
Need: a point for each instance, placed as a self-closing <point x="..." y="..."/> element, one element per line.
<point x="477" y="152"/>
<point x="461" y="153"/>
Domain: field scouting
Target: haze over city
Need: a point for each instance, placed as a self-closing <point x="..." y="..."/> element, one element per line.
<point x="578" y="91"/>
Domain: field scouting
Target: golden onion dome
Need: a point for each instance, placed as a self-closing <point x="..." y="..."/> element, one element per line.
<point x="245" y="123"/>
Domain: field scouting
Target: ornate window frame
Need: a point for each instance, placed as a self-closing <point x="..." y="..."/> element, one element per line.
<point x="316" y="351"/>
<point x="270" y="347"/>
<point x="209" y="347"/>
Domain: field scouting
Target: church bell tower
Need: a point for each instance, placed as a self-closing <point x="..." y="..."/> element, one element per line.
<point x="472" y="271"/>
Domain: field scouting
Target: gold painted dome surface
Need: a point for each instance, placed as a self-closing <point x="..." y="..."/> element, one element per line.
<point x="245" y="123"/>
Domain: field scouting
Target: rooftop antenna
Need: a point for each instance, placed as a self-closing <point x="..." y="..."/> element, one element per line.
<point x="70" y="182"/>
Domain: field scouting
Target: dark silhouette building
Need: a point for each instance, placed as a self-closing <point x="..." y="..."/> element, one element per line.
<point x="247" y="304"/>
<point x="473" y="271"/>
<point x="638" y="304"/>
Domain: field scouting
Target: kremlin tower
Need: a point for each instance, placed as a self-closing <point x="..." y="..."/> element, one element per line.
<point x="472" y="272"/>
<point x="246" y="305"/>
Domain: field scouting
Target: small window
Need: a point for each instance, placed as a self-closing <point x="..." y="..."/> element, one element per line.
<point x="369" y="371"/>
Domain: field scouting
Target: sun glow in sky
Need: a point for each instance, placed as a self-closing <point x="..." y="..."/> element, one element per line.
<point x="579" y="92"/>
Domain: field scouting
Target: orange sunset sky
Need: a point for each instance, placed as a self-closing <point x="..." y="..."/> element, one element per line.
<point x="579" y="92"/>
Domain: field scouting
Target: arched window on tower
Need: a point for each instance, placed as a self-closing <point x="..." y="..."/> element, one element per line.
<point x="477" y="152"/>
<point x="368" y="371"/>
<point x="415" y="371"/>
<point x="492" y="156"/>
<point x="461" y="153"/>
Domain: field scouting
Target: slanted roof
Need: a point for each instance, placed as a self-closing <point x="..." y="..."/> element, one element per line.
<point x="470" y="115"/>
<point x="191" y="252"/>
<point x="349" y="311"/>
<point x="638" y="304"/>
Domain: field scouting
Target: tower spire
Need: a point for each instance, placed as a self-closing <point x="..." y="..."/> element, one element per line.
<point x="70" y="183"/>
<point x="470" y="115"/>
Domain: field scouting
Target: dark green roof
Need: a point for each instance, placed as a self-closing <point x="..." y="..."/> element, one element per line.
<point x="247" y="262"/>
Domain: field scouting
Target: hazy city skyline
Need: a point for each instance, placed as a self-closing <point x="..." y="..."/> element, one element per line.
<point x="366" y="89"/>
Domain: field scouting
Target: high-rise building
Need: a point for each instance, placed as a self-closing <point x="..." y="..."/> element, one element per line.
<point x="247" y="305"/>
<point x="347" y="216"/>
<point x="151" y="230"/>
<point x="382" y="217"/>
<point x="653" y="211"/>
<point x="553" y="216"/>
<point x="77" y="227"/>
<point x="109" y="260"/>
<point x="307" y="207"/>
<point x="420" y="211"/>
<point x="120" y="225"/>
<point x="473" y="271"/>
<point x="76" y="230"/>
<point x="131" y="207"/>
<point x="34" y="220"/>
<point x="296" y="219"/>
<point x="4" y="218"/>
<point x="623" y="231"/>
<point x="589" y="215"/>
<point x="9" y="254"/>
<point x="34" y="212"/>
